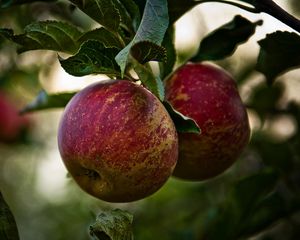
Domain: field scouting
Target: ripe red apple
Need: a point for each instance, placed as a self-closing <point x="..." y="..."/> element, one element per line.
<point x="11" y="123"/>
<point x="209" y="95"/>
<point x="118" y="141"/>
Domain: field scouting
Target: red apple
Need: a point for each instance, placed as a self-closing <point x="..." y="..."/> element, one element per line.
<point x="208" y="95"/>
<point x="11" y="123"/>
<point x="117" y="141"/>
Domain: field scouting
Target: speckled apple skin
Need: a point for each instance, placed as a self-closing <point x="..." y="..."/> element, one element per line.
<point x="118" y="141"/>
<point x="209" y="95"/>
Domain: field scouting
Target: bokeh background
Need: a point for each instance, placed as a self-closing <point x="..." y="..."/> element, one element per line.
<point x="47" y="204"/>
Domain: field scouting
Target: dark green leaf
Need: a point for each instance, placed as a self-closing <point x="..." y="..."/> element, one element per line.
<point x="134" y="12"/>
<point x="8" y="3"/>
<point x="168" y="43"/>
<point x="178" y="7"/>
<point x="182" y="123"/>
<point x="240" y="204"/>
<point x="264" y="99"/>
<point x="249" y="190"/>
<point x="101" y="35"/>
<point x="8" y="226"/>
<point x="50" y="35"/>
<point x="48" y="101"/>
<point x="280" y="156"/>
<point x="92" y="57"/>
<point x="223" y="41"/>
<point x="156" y="11"/>
<point x="267" y="213"/>
<point x="112" y="225"/>
<point x="102" y="11"/>
<point x="279" y="53"/>
<point x="147" y="51"/>
<point x="151" y="82"/>
<point x="126" y="21"/>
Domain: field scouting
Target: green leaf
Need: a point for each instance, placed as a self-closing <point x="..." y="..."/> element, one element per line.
<point x="182" y="123"/>
<point x="223" y="41"/>
<point x="279" y="53"/>
<point x="126" y="21"/>
<point x="240" y="204"/>
<point x="48" y="101"/>
<point x="152" y="83"/>
<point x="102" y="11"/>
<point x="147" y="51"/>
<point x="250" y="190"/>
<point x="8" y="226"/>
<point x="134" y="12"/>
<point x="112" y="225"/>
<point x="92" y="57"/>
<point x="102" y="35"/>
<point x="50" y="35"/>
<point x="152" y="28"/>
<point x="264" y="99"/>
<point x="279" y="156"/>
<point x="177" y="8"/>
<point x="267" y="213"/>
<point x="168" y="43"/>
<point x="8" y="3"/>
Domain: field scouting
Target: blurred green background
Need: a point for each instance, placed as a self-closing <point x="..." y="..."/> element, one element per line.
<point x="257" y="198"/>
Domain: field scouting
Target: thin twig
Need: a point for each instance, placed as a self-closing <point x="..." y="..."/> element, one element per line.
<point x="249" y="9"/>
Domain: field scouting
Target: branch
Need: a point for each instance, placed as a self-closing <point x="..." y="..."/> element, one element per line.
<point x="266" y="6"/>
<point x="242" y="6"/>
<point x="271" y="8"/>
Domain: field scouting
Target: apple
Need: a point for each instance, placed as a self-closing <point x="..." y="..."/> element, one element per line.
<point x="11" y="123"/>
<point x="209" y="95"/>
<point x="117" y="141"/>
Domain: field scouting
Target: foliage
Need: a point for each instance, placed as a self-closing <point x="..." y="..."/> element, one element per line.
<point x="129" y="36"/>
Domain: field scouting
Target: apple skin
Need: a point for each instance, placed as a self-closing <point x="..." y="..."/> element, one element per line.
<point x="209" y="95"/>
<point x="117" y="141"/>
<point x="11" y="123"/>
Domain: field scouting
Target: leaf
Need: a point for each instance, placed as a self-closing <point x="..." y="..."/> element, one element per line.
<point x="147" y="51"/>
<point x="92" y="57"/>
<point x="279" y="53"/>
<point x="102" y="11"/>
<point x="264" y="99"/>
<point x="250" y="190"/>
<point x="8" y="226"/>
<point x="9" y="3"/>
<point x="240" y="204"/>
<point x="112" y="225"/>
<point x="223" y="41"/>
<point x="177" y="8"/>
<point x="267" y="213"/>
<point x="102" y="35"/>
<point x="182" y="123"/>
<point x="168" y="43"/>
<point x="50" y="35"/>
<point x="278" y="155"/>
<point x="152" y="28"/>
<point x="126" y="21"/>
<point x="152" y="83"/>
<point x="48" y="101"/>
<point x="134" y="12"/>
